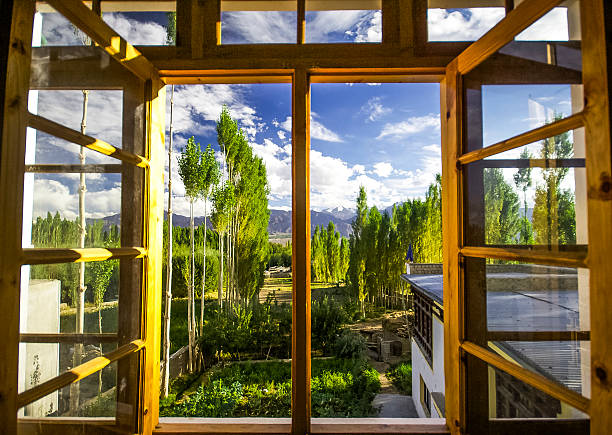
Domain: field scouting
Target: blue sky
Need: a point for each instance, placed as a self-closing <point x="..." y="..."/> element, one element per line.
<point x="383" y="136"/>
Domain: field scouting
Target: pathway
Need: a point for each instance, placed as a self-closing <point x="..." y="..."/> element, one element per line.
<point x="392" y="404"/>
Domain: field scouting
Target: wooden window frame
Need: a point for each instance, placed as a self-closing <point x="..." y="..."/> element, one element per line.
<point x="198" y="58"/>
<point x="423" y="325"/>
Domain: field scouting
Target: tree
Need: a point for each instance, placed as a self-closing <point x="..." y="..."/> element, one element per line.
<point x="190" y="170"/>
<point x="501" y="209"/>
<point x="522" y="180"/>
<point x="210" y="178"/>
<point x="223" y="199"/>
<point x="553" y="207"/>
<point x="101" y="273"/>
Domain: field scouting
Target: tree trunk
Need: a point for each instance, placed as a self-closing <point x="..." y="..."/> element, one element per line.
<point x="189" y="291"/>
<point x="80" y="309"/>
<point x="203" y="274"/>
<point x="100" y="331"/>
<point x="165" y="378"/>
<point x="220" y="295"/>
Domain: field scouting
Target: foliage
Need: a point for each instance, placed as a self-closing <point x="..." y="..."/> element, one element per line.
<point x="554" y="214"/>
<point x="522" y="180"/>
<point x="379" y="242"/>
<point x="329" y="254"/>
<point x="401" y="376"/>
<point x="502" y="221"/>
<point x="340" y="388"/>
<point x="327" y="320"/>
<point x="280" y="255"/>
<point x="350" y="345"/>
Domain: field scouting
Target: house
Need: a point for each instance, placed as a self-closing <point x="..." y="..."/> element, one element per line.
<point x="520" y="298"/>
<point x="465" y="71"/>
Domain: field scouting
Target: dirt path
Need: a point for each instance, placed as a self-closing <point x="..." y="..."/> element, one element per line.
<point x="386" y="387"/>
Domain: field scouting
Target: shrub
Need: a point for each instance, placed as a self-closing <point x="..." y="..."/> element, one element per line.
<point x="401" y="376"/>
<point x="328" y="318"/>
<point x="350" y="345"/>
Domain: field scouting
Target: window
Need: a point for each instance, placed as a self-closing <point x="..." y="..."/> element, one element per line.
<point x="425" y="397"/>
<point x="423" y="324"/>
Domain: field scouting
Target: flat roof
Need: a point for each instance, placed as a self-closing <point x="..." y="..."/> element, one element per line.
<point x="520" y="310"/>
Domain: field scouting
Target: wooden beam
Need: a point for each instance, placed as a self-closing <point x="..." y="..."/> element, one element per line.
<point x="550" y="257"/>
<point x="390" y="22"/>
<point x="596" y="22"/>
<point x="554" y="128"/>
<point x="530" y="163"/>
<point x="155" y="104"/>
<point x="540" y="426"/>
<point x="77" y="255"/>
<point x="74" y="169"/>
<point x="12" y="160"/>
<point x="301" y="21"/>
<point x="450" y="109"/>
<point x="536" y="380"/>
<point x="514" y="23"/>
<point x="76" y="374"/>
<point x="300" y="220"/>
<point x="68" y="338"/>
<point x="70" y="135"/>
<point x="538" y="335"/>
<point x="102" y="34"/>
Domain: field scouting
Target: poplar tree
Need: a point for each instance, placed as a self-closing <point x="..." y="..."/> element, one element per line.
<point x="190" y="170"/>
<point x="522" y="180"/>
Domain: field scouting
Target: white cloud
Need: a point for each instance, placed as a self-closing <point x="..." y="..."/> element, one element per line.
<point x="551" y="27"/>
<point x="374" y="110"/>
<point x="317" y="130"/>
<point x="411" y="126"/>
<point x="136" y="32"/>
<point x="433" y="148"/>
<point x="447" y="25"/>
<point x="383" y="169"/>
<point x="357" y="26"/>
<point x="258" y="27"/>
<point x="281" y="134"/>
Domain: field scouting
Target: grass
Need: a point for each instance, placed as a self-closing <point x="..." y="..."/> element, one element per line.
<point x="401" y="376"/>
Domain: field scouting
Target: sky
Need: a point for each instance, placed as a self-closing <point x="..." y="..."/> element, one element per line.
<point x="385" y="137"/>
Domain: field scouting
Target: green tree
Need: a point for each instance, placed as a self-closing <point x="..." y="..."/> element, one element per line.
<point x="522" y="180"/>
<point x="501" y="209"/>
<point x="190" y="170"/>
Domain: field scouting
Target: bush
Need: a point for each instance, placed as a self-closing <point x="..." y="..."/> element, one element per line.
<point x="340" y="388"/>
<point x="328" y="318"/>
<point x="401" y="376"/>
<point x="350" y="345"/>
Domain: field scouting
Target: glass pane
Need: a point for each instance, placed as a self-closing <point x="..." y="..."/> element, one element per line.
<point x="525" y="85"/>
<point x="536" y="316"/>
<point x="53" y="204"/>
<point x="259" y="25"/>
<point x="374" y="198"/>
<point x="559" y="24"/>
<point x="325" y="25"/>
<point x="510" y="397"/>
<point x="460" y="24"/>
<point x="245" y="341"/>
<point x="149" y="23"/>
<point x="50" y="150"/>
<point x="52" y="28"/>
<point x="532" y="195"/>
<point x="50" y="297"/>
<point x="93" y="396"/>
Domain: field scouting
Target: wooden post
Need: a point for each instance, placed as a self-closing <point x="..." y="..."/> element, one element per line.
<point x="12" y="165"/>
<point x="155" y="100"/>
<point x="596" y="15"/>
<point x="450" y="109"/>
<point x="300" y="220"/>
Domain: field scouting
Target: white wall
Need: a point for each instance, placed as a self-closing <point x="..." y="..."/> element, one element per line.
<point x="432" y="376"/>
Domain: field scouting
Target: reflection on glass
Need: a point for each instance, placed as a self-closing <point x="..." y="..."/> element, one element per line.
<point x="461" y="24"/>
<point x="510" y="397"/>
<point x="144" y="28"/>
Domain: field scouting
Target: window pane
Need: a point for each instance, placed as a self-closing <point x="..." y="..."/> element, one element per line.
<point x="93" y="396"/>
<point x="259" y="25"/>
<point x="140" y="24"/>
<point x="532" y="195"/>
<point x="525" y="85"/>
<point x="245" y="340"/>
<point x="374" y="197"/>
<point x="512" y="398"/>
<point x="325" y="25"/>
<point x="461" y="24"/>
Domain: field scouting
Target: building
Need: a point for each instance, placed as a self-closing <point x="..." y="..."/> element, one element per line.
<point x="519" y="297"/>
<point x="464" y="70"/>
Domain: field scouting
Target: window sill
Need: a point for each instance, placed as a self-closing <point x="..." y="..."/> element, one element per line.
<point x="174" y="425"/>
